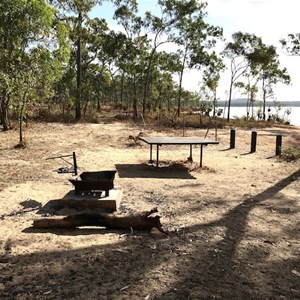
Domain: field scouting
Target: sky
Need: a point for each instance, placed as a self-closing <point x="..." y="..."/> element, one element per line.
<point x="271" y="20"/>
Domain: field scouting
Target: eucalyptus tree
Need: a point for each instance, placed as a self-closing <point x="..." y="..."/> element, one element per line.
<point x="265" y="62"/>
<point x="193" y="35"/>
<point x="118" y="53"/>
<point x="34" y="82"/>
<point x="239" y="51"/>
<point x="96" y="35"/>
<point x="249" y="88"/>
<point x="76" y="12"/>
<point x="291" y="44"/>
<point x="211" y="79"/>
<point x="24" y="28"/>
<point x="159" y="29"/>
<point x="165" y="87"/>
<point x="136" y="46"/>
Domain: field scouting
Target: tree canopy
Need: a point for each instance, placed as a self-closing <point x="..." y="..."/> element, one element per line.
<point x="54" y="55"/>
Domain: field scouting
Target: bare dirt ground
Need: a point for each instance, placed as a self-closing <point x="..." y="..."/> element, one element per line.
<point x="234" y="226"/>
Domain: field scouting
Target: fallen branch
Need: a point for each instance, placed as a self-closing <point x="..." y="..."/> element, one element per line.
<point x="142" y="221"/>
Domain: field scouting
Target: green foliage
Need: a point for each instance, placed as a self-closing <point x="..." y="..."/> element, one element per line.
<point x="52" y="54"/>
<point x="25" y="34"/>
<point x="290" y="153"/>
<point x="258" y="62"/>
<point x="291" y="44"/>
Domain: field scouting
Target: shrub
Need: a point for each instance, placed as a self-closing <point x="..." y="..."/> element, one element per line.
<point x="290" y="154"/>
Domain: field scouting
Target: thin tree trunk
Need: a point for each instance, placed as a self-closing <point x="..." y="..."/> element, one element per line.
<point x="21" y="118"/>
<point x="122" y="89"/>
<point x="114" y="87"/>
<point x="229" y="100"/>
<point x="147" y="81"/>
<point x="98" y="98"/>
<point x="264" y="100"/>
<point x="180" y="84"/>
<point x="135" y="111"/>
<point x="79" y="70"/>
<point x="4" y="119"/>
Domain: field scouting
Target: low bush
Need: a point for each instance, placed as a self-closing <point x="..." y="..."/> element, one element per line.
<point x="290" y="154"/>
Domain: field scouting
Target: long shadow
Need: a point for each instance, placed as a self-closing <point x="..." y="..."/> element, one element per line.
<point x="175" y="171"/>
<point x="76" y="231"/>
<point x="111" y="271"/>
<point x="247" y="153"/>
<point x="227" y="149"/>
<point x="140" y="267"/>
<point x="221" y="259"/>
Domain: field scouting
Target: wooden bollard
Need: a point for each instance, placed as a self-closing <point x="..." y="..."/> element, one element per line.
<point x="278" y="145"/>
<point x="253" y="141"/>
<point x="232" y="138"/>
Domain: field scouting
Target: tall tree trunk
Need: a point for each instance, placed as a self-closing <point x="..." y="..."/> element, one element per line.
<point x="22" y="112"/>
<point x="86" y="103"/>
<point x="229" y="99"/>
<point x="180" y="84"/>
<point x="79" y="69"/>
<point x="98" y="97"/>
<point x="135" y="110"/>
<point x="147" y="80"/>
<point x="264" y="100"/>
<point x="4" y="119"/>
<point x="122" y="89"/>
<point x="114" y="87"/>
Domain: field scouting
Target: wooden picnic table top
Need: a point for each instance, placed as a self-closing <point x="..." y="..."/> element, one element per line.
<point x="164" y="140"/>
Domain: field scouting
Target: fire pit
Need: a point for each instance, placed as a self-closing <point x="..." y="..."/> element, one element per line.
<point x="94" y="182"/>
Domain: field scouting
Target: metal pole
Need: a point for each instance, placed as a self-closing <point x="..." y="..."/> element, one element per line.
<point x="201" y="155"/>
<point x="232" y="138"/>
<point x="253" y="141"/>
<point x="278" y="145"/>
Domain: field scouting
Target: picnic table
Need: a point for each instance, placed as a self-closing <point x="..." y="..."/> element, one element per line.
<point x="162" y="140"/>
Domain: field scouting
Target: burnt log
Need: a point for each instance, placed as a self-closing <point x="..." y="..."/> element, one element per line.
<point x="142" y="221"/>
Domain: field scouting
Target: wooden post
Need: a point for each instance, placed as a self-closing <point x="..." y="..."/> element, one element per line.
<point x="253" y="141"/>
<point x="232" y="138"/>
<point x="278" y="145"/>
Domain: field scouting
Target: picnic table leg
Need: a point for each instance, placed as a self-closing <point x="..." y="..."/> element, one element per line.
<point x="150" y="161"/>
<point x="191" y="153"/>
<point x="157" y="150"/>
<point x="201" y="155"/>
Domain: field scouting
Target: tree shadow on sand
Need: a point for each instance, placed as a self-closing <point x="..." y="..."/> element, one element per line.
<point x="222" y="268"/>
<point x="185" y="265"/>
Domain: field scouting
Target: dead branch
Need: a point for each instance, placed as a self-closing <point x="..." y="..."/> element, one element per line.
<point x="142" y="221"/>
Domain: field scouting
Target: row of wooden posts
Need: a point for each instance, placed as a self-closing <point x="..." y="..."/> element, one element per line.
<point x="254" y="142"/>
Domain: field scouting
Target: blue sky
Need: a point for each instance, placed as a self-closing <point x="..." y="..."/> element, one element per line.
<point x="271" y="20"/>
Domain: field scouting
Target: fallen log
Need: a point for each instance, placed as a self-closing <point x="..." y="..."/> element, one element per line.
<point x="142" y="221"/>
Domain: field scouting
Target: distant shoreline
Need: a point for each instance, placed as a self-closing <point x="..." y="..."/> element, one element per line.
<point x="243" y="103"/>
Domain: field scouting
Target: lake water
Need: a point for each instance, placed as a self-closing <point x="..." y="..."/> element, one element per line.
<point x="293" y="118"/>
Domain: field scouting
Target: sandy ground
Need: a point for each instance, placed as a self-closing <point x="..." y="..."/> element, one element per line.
<point x="234" y="226"/>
